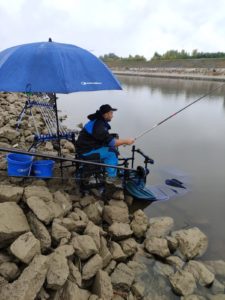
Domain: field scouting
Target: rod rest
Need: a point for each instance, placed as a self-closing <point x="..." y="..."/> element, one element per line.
<point x="147" y="158"/>
<point x="54" y="137"/>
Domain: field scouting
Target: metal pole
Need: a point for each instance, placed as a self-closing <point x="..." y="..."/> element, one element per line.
<point x="61" y="159"/>
<point x="57" y="124"/>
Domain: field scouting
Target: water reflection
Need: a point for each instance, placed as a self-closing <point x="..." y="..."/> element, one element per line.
<point x="190" y="88"/>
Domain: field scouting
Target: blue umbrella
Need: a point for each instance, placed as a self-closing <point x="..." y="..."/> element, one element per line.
<point x="54" y="68"/>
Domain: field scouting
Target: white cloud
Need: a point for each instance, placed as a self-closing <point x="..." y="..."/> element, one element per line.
<point x="120" y="26"/>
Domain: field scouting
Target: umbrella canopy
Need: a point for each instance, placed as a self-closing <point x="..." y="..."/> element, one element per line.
<point x="55" y="68"/>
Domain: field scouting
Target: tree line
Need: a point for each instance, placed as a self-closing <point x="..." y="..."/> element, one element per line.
<point x="168" y="55"/>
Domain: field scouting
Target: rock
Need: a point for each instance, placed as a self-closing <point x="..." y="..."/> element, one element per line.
<point x="58" y="271"/>
<point x="75" y="275"/>
<point x="163" y="269"/>
<point x="183" y="282"/>
<point x="40" y="231"/>
<point x="41" y="192"/>
<point x="93" y="213"/>
<point x="25" y="247"/>
<point x="216" y="266"/>
<point x="120" y="231"/>
<point x="92" y="266"/>
<point x="118" y="195"/>
<point x="138" y="289"/>
<point x="10" y="193"/>
<point x="139" y="223"/>
<point x="71" y="291"/>
<point x="217" y="287"/>
<point x="172" y="243"/>
<point x="41" y="209"/>
<point x="200" y="272"/>
<point x="65" y="250"/>
<point x="5" y="257"/>
<point x="29" y="283"/>
<point x="115" y="214"/>
<point x="79" y="215"/>
<point x="84" y="246"/>
<point x="93" y="231"/>
<point x="9" y="134"/>
<point x="137" y="267"/>
<point x="59" y="231"/>
<point x="12" y="222"/>
<point x="175" y="261"/>
<point x="129" y="246"/>
<point x="157" y="246"/>
<point x="117" y="252"/>
<point x="69" y="146"/>
<point x="122" y="278"/>
<point x="42" y="294"/>
<point x="87" y="200"/>
<point x="2" y="282"/>
<point x="63" y="201"/>
<point x="111" y="266"/>
<point x="193" y="297"/>
<point x="160" y="227"/>
<point x="9" y="270"/>
<point x="102" y="286"/>
<point x="104" y="252"/>
<point x="217" y="297"/>
<point x="192" y="242"/>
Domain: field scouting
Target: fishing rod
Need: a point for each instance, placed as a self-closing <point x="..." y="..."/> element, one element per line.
<point x="177" y="112"/>
<point x="61" y="159"/>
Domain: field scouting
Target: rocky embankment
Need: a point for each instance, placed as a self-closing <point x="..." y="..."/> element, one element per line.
<point x="56" y="245"/>
<point x="210" y="74"/>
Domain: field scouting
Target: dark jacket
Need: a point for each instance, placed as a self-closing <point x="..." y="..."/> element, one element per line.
<point x="94" y="135"/>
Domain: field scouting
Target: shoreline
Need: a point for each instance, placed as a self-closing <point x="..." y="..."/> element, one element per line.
<point x="170" y="75"/>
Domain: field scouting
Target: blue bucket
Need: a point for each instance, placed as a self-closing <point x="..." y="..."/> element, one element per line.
<point x="43" y="168"/>
<point x="19" y="164"/>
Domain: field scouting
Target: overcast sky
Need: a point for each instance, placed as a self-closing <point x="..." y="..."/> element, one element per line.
<point x="120" y="26"/>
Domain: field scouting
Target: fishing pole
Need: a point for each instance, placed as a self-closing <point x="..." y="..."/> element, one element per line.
<point x="62" y="159"/>
<point x="177" y="112"/>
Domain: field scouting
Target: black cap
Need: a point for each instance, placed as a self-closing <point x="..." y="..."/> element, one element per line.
<point x="106" y="108"/>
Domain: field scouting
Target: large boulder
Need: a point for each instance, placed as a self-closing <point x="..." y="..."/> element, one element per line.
<point x="10" y="193"/>
<point x="122" y="278"/>
<point x="120" y="231"/>
<point x="84" y="246"/>
<point x="183" y="282"/>
<point x="58" y="271"/>
<point x="157" y="246"/>
<point x="41" y="192"/>
<point x="12" y="222"/>
<point x="40" y="231"/>
<point x="29" y="283"/>
<point x="41" y="209"/>
<point x="200" y="272"/>
<point x="8" y="134"/>
<point x="139" y="223"/>
<point x="112" y="213"/>
<point x="92" y="266"/>
<point x="192" y="242"/>
<point x="93" y="212"/>
<point x="160" y="226"/>
<point x="102" y="286"/>
<point x="25" y="247"/>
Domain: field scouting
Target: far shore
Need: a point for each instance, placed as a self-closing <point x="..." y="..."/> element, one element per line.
<point x="172" y="73"/>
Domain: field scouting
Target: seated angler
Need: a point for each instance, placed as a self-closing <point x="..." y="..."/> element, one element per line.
<point x="95" y="138"/>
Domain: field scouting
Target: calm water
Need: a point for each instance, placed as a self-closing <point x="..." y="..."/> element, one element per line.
<point x="192" y="142"/>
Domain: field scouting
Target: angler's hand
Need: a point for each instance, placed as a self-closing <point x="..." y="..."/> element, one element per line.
<point x="129" y="141"/>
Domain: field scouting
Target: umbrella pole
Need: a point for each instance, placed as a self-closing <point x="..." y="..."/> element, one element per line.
<point x="57" y="129"/>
